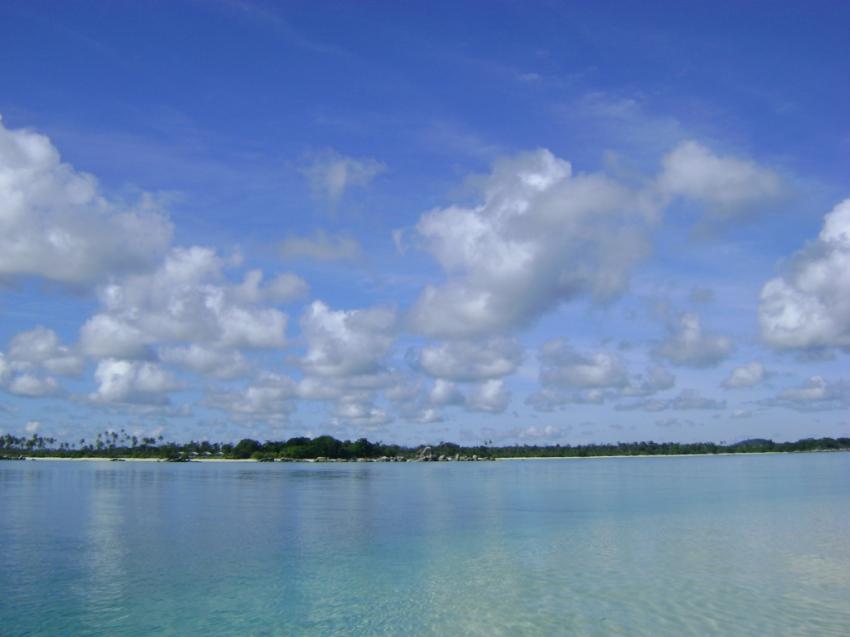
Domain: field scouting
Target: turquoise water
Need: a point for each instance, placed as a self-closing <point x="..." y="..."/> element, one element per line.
<point x="744" y="545"/>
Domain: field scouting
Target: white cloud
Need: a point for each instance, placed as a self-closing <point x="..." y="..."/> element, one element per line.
<point x="20" y="377"/>
<point x="104" y="336"/>
<point x="320" y="247"/>
<point x="748" y="375"/>
<point x="33" y="386"/>
<point x="687" y="344"/>
<point x="359" y="413"/>
<point x="540" y="237"/>
<point x="121" y="381"/>
<point x="446" y="393"/>
<point x="5" y="369"/>
<point x="654" y="380"/>
<point x="184" y="300"/>
<point x="569" y="376"/>
<point x="809" y="306"/>
<point x="330" y="173"/>
<point x="815" y="394"/>
<point x="270" y="399"/>
<point x="57" y="224"/>
<point x="728" y="185"/>
<point x="208" y="361"/>
<point x="32" y="426"/>
<point x="346" y="343"/>
<point x="470" y="360"/>
<point x="281" y="289"/>
<point x="490" y="396"/>
<point x="562" y="366"/>
<point x="40" y="348"/>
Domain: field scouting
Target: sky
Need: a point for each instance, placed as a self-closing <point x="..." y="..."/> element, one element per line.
<point x="533" y="223"/>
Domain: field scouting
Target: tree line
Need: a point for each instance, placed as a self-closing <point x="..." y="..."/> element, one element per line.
<point x="120" y="444"/>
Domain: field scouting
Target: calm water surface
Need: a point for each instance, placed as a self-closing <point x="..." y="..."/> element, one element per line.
<point x="744" y="545"/>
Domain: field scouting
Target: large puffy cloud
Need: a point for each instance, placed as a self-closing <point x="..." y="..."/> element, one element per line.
<point x="184" y="300"/>
<point x="540" y="236"/>
<point x="270" y="399"/>
<point x="41" y="348"/>
<point x="346" y="361"/>
<point x="446" y="393"/>
<point x="748" y="375"/>
<point x="33" y="356"/>
<point x="56" y="223"/>
<point x="206" y="361"/>
<point x="137" y="382"/>
<point x="346" y="343"/>
<point x="563" y="366"/>
<point x="470" y="360"/>
<point x="688" y="344"/>
<point x="727" y="185"/>
<point x="33" y="386"/>
<point x="809" y="306"/>
<point x="490" y="396"/>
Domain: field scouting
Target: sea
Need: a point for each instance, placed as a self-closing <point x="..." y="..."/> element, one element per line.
<point x="717" y="545"/>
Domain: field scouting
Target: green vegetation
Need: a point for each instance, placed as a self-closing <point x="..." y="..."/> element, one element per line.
<point x="120" y="444"/>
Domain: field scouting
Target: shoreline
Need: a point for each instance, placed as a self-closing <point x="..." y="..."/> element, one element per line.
<point x="497" y="458"/>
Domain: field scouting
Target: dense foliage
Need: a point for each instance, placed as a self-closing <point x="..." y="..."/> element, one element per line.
<point x="120" y="444"/>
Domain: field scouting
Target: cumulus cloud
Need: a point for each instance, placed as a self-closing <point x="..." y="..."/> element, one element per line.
<point x="33" y="386"/>
<point x="320" y="247"/>
<point x="446" y="393"/>
<point x="540" y="236"/>
<point x="270" y="399"/>
<point x="56" y="223"/>
<point x="33" y="356"/>
<point x="5" y="369"/>
<point x="748" y="375"/>
<point x="654" y="380"/>
<point x="330" y="173"/>
<point x="490" y="396"/>
<point x="345" y="362"/>
<point x="207" y="361"/>
<point x="727" y="185"/>
<point x="563" y="366"/>
<point x="133" y="382"/>
<point x="346" y="343"/>
<point x="687" y="344"/>
<point x="40" y="348"/>
<point x="569" y="376"/>
<point x="808" y="307"/>
<point x="362" y="414"/>
<point x="470" y="360"/>
<point x="281" y="289"/>
<point x="184" y="300"/>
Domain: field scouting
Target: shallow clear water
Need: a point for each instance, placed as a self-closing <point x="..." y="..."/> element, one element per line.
<point x="743" y="545"/>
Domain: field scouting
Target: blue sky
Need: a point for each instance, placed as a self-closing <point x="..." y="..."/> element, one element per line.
<point x="567" y="222"/>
